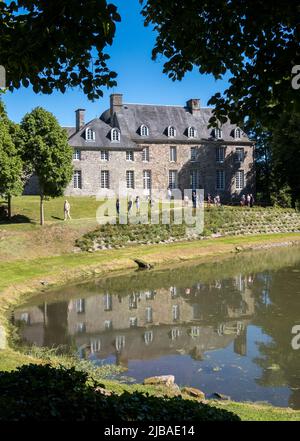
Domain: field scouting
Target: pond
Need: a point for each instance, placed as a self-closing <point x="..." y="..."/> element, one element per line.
<point x="223" y="327"/>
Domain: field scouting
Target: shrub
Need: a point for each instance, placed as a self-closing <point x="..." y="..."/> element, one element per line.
<point x="45" y="393"/>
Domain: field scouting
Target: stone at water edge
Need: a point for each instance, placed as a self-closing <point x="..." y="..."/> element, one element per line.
<point x="194" y="392"/>
<point x="164" y="380"/>
<point x="217" y="396"/>
<point x="103" y="391"/>
<point x="142" y="264"/>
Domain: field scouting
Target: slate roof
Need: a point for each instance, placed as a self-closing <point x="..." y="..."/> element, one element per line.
<point x="158" y="118"/>
<point x="102" y="138"/>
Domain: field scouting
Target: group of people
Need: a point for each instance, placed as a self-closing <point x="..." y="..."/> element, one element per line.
<point x="215" y="201"/>
<point x="129" y="204"/>
<point x="247" y="200"/>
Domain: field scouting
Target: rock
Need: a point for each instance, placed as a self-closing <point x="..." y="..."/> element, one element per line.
<point x="142" y="264"/>
<point x="239" y="249"/>
<point x="103" y="391"/>
<point x="217" y="396"/>
<point x="44" y="283"/>
<point x="193" y="392"/>
<point x="176" y="389"/>
<point x="161" y="380"/>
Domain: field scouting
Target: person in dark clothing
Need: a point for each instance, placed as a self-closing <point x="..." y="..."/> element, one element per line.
<point x="118" y="205"/>
<point x="194" y="199"/>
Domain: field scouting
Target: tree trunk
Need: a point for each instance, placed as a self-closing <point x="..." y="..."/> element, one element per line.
<point x="9" y="207"/>
<point x="42" y="217"/>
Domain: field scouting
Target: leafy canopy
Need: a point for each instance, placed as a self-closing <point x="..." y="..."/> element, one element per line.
<point x="46" y="148"/>
<point x="57" y="44"/>
<point x="256" y="43"/>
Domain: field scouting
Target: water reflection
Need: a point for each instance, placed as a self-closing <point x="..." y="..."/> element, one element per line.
<point x="144" y="321"/>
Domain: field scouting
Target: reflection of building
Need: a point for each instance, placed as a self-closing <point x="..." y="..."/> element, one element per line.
<point x="146" y="324"/>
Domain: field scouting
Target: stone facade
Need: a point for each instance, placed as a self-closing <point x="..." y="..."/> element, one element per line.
<point x="206" y="168"/>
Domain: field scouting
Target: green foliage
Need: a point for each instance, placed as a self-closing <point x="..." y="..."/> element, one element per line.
<point x="252" y="42"/>
<point x="10" y="162"/>
<point x="282" y="197"/>
<point x="46" y="148"/>
<point x="52" y="45"/>
<point x="44" y="393"/>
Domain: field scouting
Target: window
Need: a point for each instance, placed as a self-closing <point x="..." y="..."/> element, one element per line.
<point x="80" y="306"/>
<point x="144" y="131"/>
<point x="173" y="154"/>
<point x="77" y="155"/>
<point x="220" y="180"/>
<point x="148" y="337"/>
<point x="77" y="180"/>
<point x="25" y="317"/>
<point x="193" y="153"/>
<point x="171" y="132"/>
<point x="192" y="132"/>
<point x="107" y="302"/>
<point x="130" y="179"/>
<point x="90" y="135"/>
<point x="195" y="179"/>
<point x="115" y="135"/>
<point x="129" y="155"/>
<point x="237" y="133"/>
<point x="80" y="328"/>
<point x="220" y="154"/>
<point x="239" y="154"/>
<point x="104" y="179"/>
<point x="120" y="342"/>
<point x="108" y="324"/>
<point x="149" y="314"/>
<point x="239" y="180"/>
<point x="133" y="301"/>
<point x="104" y="155"/>
<point x="147" y="179"/>
<point x="173" y="292"/>
<point x="175" y="312"/>
<point x="95" y="345"/>
<point x="175" y="333"/>
<point x="218" y="133"/>
<point x="145" y="154"/>
<point x="133" y="322"/>
<point x="173" y="178"/>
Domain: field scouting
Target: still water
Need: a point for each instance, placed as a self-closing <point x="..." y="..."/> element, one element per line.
<point x="222" y="327"/>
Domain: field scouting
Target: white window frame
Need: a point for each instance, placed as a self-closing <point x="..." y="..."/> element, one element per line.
<point x="239" y="154"/>
<point x="77" y="179"/>
<point x="115" y="135"/>
<point x="175" y="313"/>
<point x="193" y="154"/>
<point x="80" y="306"/>
<point x="171" y="132"/>
<point x="90" y="135"/>
<point x="220" y="182"/>
<point x="147" y="179"/>
<point x="144" y="130"/>
<point x="173" y="153"/>
<point x="192" y="132"/>
<point x="130" y="178"/>
<point x="146" y="154"/>
<point x="148" y="337"/>
<point x="130" y="155"/>
<point x="149" y="314"/>
<point x="133" y="322"/>
<point x="173" y="183"/>
<point x="76" y="155"/>
<point x="105" y="179"/>
<point x="240" y="180"/>
<point x="220" y="154"/>
<point x="237" y="133"/>
<point x="104" y="155"/>
<point x="95" y="345"/>
<point x="218" y="133"/>
<point x="108" y="302"/>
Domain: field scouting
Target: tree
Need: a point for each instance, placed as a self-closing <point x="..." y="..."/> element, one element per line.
<point x="255" y="43"/>
<point x="10" y="165"/>
<point x="46" y="148"/>
<point x="57" y="44"/>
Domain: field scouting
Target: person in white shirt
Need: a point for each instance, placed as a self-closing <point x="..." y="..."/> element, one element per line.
<point x="67" y="209"/>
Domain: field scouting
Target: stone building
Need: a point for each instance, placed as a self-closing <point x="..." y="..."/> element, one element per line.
<point x="145" y="147"/>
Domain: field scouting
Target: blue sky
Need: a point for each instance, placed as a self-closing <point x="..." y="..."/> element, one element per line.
<point x="139" y="78"/>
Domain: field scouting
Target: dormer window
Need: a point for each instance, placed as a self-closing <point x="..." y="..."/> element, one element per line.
<point x="218" y="133"/>
<point x="237" y="133"/>
<point x="171" y="131"/>
<point x="192" y="133"/>
<point x="90" y="135"/>
<point x="115" y="135"/>
<point x="144" y="131"/>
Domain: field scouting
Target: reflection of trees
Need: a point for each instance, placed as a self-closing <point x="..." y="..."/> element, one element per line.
<point x="277" y="311"/>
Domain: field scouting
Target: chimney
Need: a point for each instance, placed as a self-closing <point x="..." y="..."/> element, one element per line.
<point x="193" y="106"/>
<point x="116" y="103"/>
<point x="80" y="119"/>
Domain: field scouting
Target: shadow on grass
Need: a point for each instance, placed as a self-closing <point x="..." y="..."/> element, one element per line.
<point x="17" y="219"/>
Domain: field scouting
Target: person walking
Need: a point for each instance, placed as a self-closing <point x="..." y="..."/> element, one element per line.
<point x="129" y="204"/>
<point x="243" y="200"/>
<point x="67" y="208"/>
<point x="137" y="204"/>
<point x="251" y="200"/>
<point x="248" y="200"/>
<point x="118" y="206"/>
